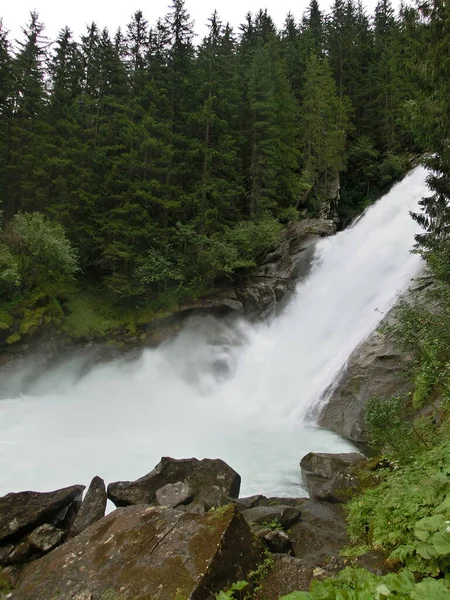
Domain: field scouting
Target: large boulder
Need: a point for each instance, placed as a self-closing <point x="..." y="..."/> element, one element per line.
<point x="330" y="476"/>
<point x="320" y="533"/>
<point x="22" y="512"/>
<point x="93" y="507"/>
<point x="143" y="552"/>
<point x="211" y="482"/>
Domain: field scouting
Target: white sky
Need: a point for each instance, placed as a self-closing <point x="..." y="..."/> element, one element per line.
<point x="55" y="14"/>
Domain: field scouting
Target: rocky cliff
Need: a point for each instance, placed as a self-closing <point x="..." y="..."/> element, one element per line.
<point x="376" y="368"/>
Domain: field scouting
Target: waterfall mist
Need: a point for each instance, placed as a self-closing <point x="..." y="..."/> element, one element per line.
<point x="120" y="418"/>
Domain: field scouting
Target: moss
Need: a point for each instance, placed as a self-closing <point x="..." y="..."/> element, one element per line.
<point x="89" y="316"/>
<point x="5" y="585"/>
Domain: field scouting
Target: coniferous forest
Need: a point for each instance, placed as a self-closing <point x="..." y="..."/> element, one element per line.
<point x="140" y="168"/>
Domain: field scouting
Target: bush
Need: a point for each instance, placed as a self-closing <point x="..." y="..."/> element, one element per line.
<point x="359" y="584"/>
<point x="35" y="250"/>
<point x="385" y="516"/>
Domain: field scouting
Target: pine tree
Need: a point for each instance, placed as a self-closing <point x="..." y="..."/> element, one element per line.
<point x="6" y="95"/>
<point x="26" y="182"/>
<point x="322" y="138"/>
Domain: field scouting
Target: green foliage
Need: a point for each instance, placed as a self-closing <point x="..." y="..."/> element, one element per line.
<point x="385" y="516"/>
<point x="233" y="592"/>
<point x="10" y="277"/>
<point x="90" y="316"/>
<point x="34" y="250"/>
<point x="391" y="430"/>
<point x="274" y="524"/>
<point x="421" y="329"/>
<point x="359" y="584"/>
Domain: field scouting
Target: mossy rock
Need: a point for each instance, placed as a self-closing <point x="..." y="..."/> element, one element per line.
<point x="142" y="552"/>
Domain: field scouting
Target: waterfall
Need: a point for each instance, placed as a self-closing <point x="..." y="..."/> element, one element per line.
<point x="120" y="418"/>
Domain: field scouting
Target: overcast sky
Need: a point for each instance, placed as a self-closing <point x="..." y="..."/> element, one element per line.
<point x="106" y="13"/>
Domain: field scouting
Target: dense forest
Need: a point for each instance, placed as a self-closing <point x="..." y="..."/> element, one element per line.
<point x="147" y="168"/>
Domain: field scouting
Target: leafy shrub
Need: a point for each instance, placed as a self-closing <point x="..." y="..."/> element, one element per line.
<point x="34" y="250"/>
<point x="391" y="430"/>
<point x="385" y="516"/>
<point x="359" y="584"/>
<point x="10" y="278"/>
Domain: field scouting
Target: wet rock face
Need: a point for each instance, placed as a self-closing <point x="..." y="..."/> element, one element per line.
<point x="377" y="368"/>
<point x="24" y="511"/>
<point x="274" y="281"/>
<point x="146" y="552"/>
<point x="211" y="483"/>
<point x="329" y="476"/>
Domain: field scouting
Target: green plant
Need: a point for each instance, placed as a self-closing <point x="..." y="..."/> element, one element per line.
<point x="390" y="429"/>
<point x="384" y="517"/>
<point x="359" y="584"/>
<point x="274" y="524"/>
<point x="429" y="551"/>
<point x="232" y="592"/>
<point x="260" y="573"/>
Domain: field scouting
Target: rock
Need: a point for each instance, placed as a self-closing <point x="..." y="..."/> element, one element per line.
<point x="21" y="553"/>
<point x="286" y="501"/>
<point x="5" y="551"/>
<point x="143" y="552"/>
<point x="284" y="515"/>
<point x="277" y="541"/>
<point x="376" y="368"/>
<point x="24" y="511"/>
<point x="250" y="501"/>
<point x="92" y="508"/>
<point x="46" y="537"/>
<point x="320" y="533"/>
<point x="287" y="575"/>
<point x="316" y="541"/>
<point x="212" y="481"/>
<point x="174" y="494"/>
<point x="329" y="476"/>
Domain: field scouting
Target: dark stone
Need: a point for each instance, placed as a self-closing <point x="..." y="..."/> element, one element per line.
<point x="277" y="541"/>
<point x="320" y="533"/>
<point x="174" y="494"/>
<point x="284" y="515"/>
<point x="285" y="501"/>
<point x="92" y="508"/>
<point x="146" y="552"/>
<point x="330" y="476"/>
<point x="5" y="551"/>
<point x="250" y="501"/>
<point x="22" y="512"/>
<point x="46" y="537"/>
<point x="21" y="553"/>
<point x="291" y="574"/>
<point x="212" y="481"/>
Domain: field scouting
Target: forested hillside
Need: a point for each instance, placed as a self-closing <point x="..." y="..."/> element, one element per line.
<point x="160" y="167"/>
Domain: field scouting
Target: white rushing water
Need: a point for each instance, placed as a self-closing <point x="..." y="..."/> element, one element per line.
<point x="118" y="420"/>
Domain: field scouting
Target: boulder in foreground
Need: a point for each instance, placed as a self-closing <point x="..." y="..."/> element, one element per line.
<point x="22" y="512"/>
<point x="143" y="552"/>
<point x="211" y="483"/>
<point x="93" y="507"/>
<point x="329" y="476"/>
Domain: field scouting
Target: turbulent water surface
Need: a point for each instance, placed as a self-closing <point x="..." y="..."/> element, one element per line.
<point x="118" y="420"/>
